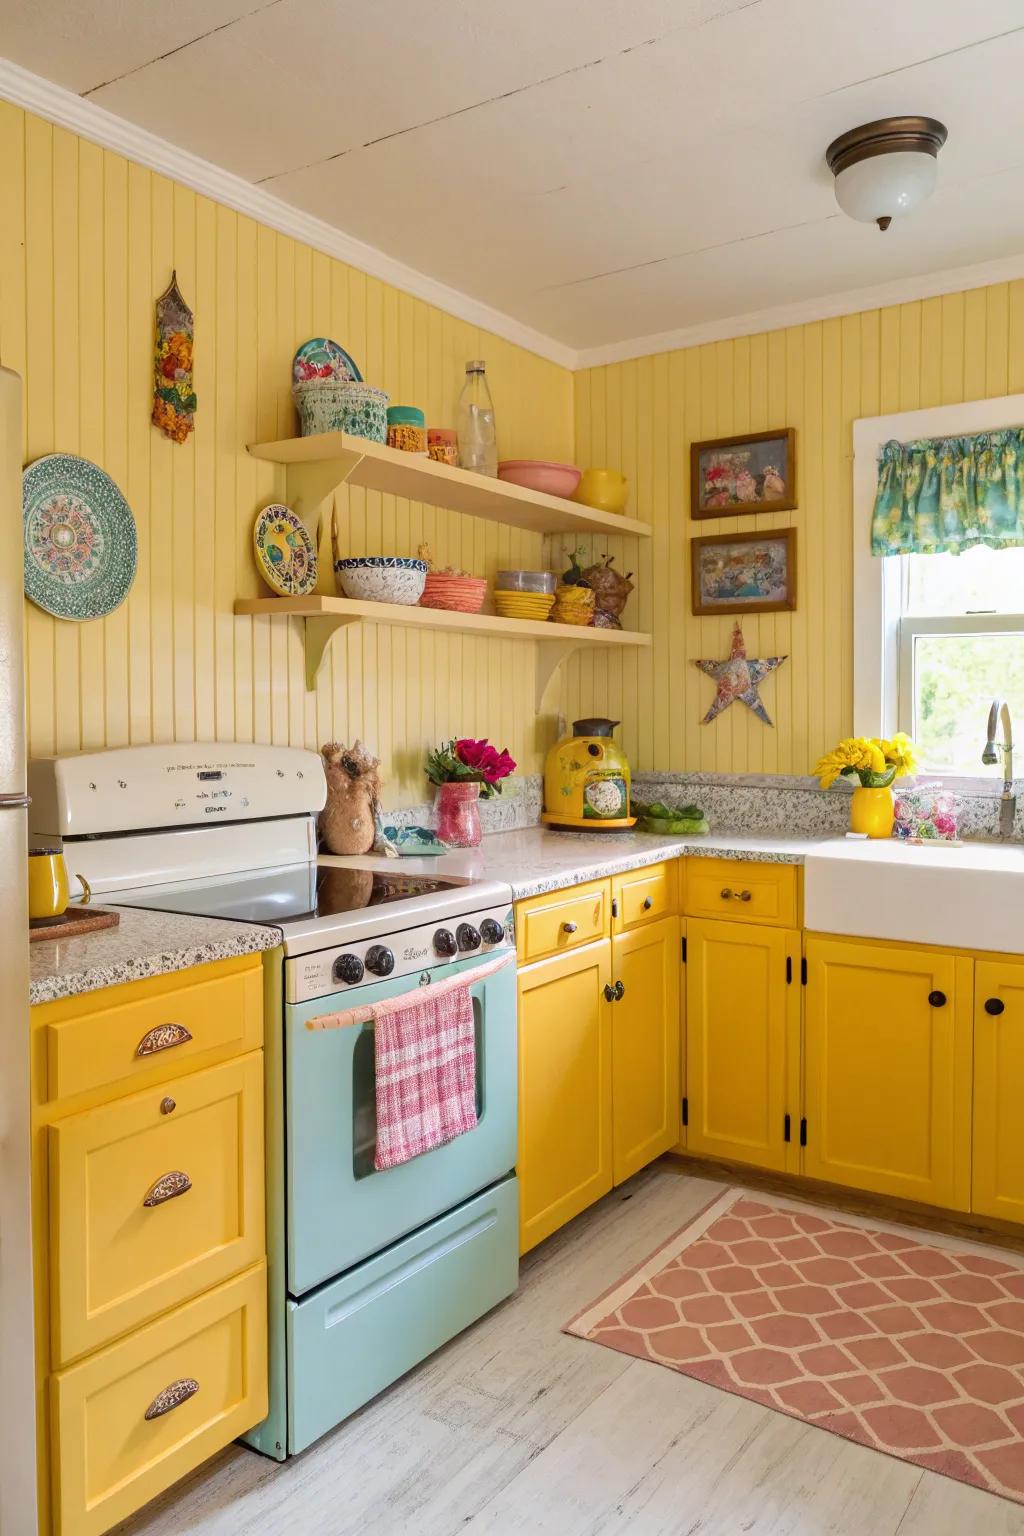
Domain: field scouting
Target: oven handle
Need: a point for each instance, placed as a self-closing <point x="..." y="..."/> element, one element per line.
<point x="374" y="1011"/>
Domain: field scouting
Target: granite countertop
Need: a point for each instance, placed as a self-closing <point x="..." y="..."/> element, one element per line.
<point x="536" y="859"/>
<point x="143" y="944"/>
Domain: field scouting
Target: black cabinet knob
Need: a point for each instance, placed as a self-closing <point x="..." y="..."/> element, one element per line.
<point x="648" y="903"/>
<point x="937" y="999"/>
<point x="609" y="993"/>
<point x="620" y="991"/>
<point x="994" y="1006"/>
<point x="491" y="931"/>
<point x="380" y="960"/>
<point x="444" y="942"/>
<point x="467" y="937"/>
<point x="348" y="968"/>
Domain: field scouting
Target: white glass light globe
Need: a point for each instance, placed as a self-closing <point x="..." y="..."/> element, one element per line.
<point x="886" y="185"/>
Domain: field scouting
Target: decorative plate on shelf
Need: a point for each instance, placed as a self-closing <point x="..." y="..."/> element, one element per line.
<point x="81" y="544"/>
<point x="321" y="358"/>
<point x="285" y="553"/>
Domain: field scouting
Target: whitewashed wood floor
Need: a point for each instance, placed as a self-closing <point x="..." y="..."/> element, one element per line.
<point x="515" y="1427"/>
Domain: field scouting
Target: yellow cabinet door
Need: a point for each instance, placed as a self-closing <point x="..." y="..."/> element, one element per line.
<point x="887" y="1062"/>
<point x="565" y="1089"/>
<point x="154" y="1198"/>
<point x="998" y="1177"/>
<point x="645" y="1045"/>
<point x="742" y="1042"/>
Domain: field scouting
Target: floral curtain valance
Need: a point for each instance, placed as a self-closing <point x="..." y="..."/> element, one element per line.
<point x="950" y="493"/>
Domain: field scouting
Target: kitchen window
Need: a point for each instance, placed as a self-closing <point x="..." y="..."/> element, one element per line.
<point x="960" y="644"/>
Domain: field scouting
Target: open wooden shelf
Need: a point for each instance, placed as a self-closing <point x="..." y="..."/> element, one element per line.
<point x="317" y="465"/>
<point x="323" y="615"/>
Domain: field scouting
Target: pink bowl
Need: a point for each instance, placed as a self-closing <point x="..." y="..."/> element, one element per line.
<point x="541" y="475"/>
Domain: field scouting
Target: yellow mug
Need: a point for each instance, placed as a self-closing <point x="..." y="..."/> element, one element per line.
<point x="47" y="883"/>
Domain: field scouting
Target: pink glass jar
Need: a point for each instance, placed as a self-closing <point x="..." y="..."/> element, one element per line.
<point x="458" y="815"/>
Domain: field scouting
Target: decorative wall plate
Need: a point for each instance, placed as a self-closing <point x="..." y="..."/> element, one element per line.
<point x="321" y="358"/>
<point x="81" y="544"/>
<point x="285" y="553"/>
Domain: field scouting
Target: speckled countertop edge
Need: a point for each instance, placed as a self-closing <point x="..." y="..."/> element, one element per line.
<point x="143" y="944"/>
<point x="745" y="848"/>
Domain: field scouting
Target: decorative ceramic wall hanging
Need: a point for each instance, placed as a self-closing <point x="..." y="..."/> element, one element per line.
<point x="285" y="553"/>
<point x="174" y="399"/>
<point x="738" y="678"/>
<point x="322" y="358"/>
<point x="81" y="545"/>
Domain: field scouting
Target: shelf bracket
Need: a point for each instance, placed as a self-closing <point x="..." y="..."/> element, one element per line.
<point x="317" y="635"/>
<point x="550" y="655"/>
<point x="311" y="484"/>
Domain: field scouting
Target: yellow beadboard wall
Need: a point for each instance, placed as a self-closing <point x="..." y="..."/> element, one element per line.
<point x="642" y="416"/>
<point x="87" y="242"/>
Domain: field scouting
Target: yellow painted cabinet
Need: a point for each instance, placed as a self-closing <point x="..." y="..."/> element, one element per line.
<point x="887" y="1063"/>
<point x="565" y="1088"/>
<point x="742" y="1042"/>
<point x="645" y="1045"/>
<point x="998" y="1163"/>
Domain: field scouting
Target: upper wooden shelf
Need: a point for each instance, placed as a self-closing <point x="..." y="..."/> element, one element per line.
<point x="317" y="465"/>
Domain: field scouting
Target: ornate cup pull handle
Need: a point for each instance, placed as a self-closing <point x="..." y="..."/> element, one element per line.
<point x="172" y="1397"/>
<point x="163" y="1037"/>
<point x="167" y="1187"/>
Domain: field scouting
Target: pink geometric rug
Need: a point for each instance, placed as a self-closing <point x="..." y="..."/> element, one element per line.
<point x="909" y="1345"/>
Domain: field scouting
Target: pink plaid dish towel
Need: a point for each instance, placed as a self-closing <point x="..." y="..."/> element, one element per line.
<point x="425" y="1059"/>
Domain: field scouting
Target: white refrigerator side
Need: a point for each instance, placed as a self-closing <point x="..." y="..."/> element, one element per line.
<point x="17" y="1363"/>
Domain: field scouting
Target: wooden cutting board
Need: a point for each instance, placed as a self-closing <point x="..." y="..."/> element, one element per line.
<point x="72" y="924"/>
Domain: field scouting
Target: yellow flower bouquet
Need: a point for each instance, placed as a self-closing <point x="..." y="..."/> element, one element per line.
<point x="871" y="761"/>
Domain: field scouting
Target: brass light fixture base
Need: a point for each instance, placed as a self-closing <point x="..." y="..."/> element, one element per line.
<point x="885" y="136"/>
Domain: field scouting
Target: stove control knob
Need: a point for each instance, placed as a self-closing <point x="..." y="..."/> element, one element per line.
<point x="444" y="942"/>
<point x="380" y="960"/>
<point x="492" y="932"/>
<point x="348" y="968"/>
<point x="467" y="937"/>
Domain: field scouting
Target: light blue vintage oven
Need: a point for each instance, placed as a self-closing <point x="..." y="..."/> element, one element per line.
<point x="377" y="1270"/>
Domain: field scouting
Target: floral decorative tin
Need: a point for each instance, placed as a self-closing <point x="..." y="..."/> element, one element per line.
<point x="81" y="544"/>
<point x="285" y="553"/>
<point x="174" y="399"/>
<point x="322" y="358"/>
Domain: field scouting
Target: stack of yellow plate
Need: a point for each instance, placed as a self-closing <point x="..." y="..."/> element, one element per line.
<point x="523" y="605"/>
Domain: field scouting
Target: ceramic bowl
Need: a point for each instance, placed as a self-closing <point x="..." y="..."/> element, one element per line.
<point x="382" y="579"/>
<point x="603" y="489"/>
<point x="540" y="475"/>
<point x="326" y="405"/>
<point x="525" y="581"/>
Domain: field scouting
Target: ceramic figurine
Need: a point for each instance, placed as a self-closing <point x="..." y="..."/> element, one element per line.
<point x="610" y="593"/>
<point x="348" y="820"/>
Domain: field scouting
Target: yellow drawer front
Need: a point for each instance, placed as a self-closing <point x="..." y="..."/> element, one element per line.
<point x="562" y="920"/>
<point x="154" y="1198"/>
<point x="643" y="896"/>
<point x="208" y="1358"/>
<point x="751" y="893"/>
<point x="150" y="1034"/>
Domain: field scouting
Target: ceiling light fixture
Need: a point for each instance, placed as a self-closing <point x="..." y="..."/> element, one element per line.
<point x="886" y="167"/>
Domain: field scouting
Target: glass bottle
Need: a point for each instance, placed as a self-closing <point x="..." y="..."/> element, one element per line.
<point x="478" y="442"/>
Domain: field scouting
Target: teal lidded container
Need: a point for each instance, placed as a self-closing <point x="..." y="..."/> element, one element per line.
<point x="407" y="428"/>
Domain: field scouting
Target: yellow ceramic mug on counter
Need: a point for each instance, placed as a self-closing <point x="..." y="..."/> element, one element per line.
<point x="47" y="883"/>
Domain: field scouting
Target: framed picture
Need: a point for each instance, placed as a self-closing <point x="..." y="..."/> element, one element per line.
<point x="752" y="473"/>
<point x="744" y="572"/>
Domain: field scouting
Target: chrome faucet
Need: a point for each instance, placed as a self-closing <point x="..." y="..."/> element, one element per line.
<point x="1000" y="710"/>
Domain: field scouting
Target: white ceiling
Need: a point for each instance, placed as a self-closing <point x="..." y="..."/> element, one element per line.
<point x="599" y="171"/>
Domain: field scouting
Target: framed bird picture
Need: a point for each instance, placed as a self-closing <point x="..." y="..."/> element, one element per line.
<point x="744" y="572"/>
<point x="752" y="473"/>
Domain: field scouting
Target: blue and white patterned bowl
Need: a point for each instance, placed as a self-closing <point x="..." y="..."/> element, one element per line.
<point x="382" y="579"/>
<point x="328" y="406"/>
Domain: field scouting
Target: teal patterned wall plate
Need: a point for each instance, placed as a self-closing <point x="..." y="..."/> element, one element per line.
<point x="81" y="544"/>
<point x="285" y="553"/>
<point x="322" y="358"/>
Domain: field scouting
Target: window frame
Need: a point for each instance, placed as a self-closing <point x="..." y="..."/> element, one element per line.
<point x="911" y="625"/>
<point x="878" y="582"/>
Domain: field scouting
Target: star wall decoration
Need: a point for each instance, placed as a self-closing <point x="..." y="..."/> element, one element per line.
<point x="738" y="678"/>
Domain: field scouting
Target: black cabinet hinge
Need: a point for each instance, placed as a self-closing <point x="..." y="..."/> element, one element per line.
<point x="785" y="1128"/>
<point x="686" y="1111"/>
<point x="682" y="946"/>
<point x="803" y="971"/>
<point x="789" y="970"/>
<point x="803" y="1132"/>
